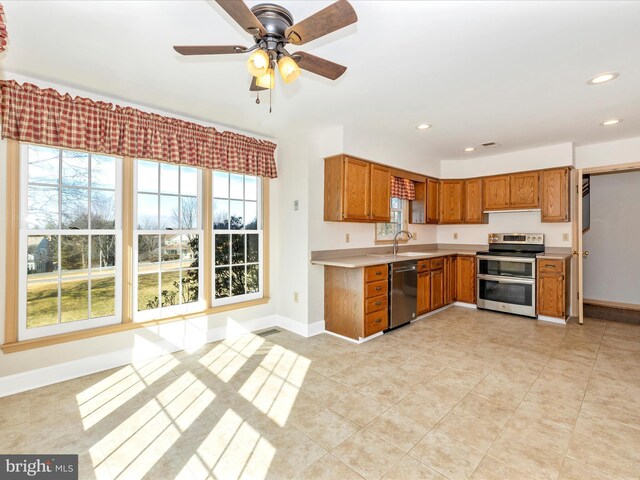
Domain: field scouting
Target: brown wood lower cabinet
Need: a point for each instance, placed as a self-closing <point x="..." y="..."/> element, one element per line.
<point x="466" y="278"/>
<point x="553" y="287"/>
<point x="437" y="288"/>
<point x="450" y="276"/>
<point x="424" y="293"/>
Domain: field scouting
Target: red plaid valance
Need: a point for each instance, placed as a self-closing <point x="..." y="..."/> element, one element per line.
<point x="3" y="31"/>
<point x="44" y="116"/>
<point x="403" y="188"/>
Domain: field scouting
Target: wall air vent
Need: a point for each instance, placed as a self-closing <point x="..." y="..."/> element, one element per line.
<point x="489" y="144"/>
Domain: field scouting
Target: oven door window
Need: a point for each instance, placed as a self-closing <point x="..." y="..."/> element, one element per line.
<point x="505" y="268"/>
<point x="503" y="292"/>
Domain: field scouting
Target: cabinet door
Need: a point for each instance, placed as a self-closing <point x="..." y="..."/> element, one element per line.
<point x="472" y="212"/>
<point x="466" y="285"/>
<point x="380" y="193"/>
<point x="451" y="201"/>
<point x="524" y="190"/>
<point x="449" y="280"/>
<point x="433" y="190"/>
<point x="554" y="195"/>
<point x="424" y="292"/>
<point x="551" y="295"/>
<point x="417" y="207"/>
<point x="355" y="190"/>
<point x="495" y="191"/>
<point x="453" y="279"/>
<point x="437" y="288"/>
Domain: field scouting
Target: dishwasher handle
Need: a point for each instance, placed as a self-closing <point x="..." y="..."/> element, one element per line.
<point x="406" y="269"/>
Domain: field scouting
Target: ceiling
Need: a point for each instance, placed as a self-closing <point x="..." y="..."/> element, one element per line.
<point x="509" y="72"/>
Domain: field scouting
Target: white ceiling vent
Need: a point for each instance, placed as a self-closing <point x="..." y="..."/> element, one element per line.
<point x="489" y="144"/>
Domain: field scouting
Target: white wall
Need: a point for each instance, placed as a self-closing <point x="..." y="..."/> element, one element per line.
<point x="609" y="153"/>
<point x="521" y="222"/>
<point x="612" y="269"/>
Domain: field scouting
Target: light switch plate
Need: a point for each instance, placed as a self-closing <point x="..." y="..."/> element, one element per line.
<point x="455" y="236"/>
<point x="565" y="237"/>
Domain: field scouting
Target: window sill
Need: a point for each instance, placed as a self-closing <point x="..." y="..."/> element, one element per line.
<point x="121" y="327"/>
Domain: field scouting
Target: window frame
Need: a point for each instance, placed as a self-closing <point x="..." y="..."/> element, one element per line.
<point x="234" y="299"/>
<point x="404" y="224"/>
<point x="23" y="332"/>
<point x="172" y="310"/>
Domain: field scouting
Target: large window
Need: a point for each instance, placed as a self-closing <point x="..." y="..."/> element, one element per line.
<point x="70" y="241"/>
<point x="398" y="221"/>
<point x="168" y="238"/>
<point x="237" y="245"/>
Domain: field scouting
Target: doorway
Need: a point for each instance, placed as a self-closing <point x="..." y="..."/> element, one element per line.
<point x="607" y="230"/>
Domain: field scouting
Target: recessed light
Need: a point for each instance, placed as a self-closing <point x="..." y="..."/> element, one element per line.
<point x="603" y="78"/>
<point x="469" y="149"/>
<point x="613" y="121"/>
<point x="423" y="126"/>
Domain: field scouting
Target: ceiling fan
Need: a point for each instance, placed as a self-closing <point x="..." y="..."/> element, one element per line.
<point x="272" y="28"/>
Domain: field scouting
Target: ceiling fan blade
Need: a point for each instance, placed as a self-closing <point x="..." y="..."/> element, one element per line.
<point x="209" y="49"/>
<point x="327" y="20"/>
<point x="254" y="86"/>
<point x="239" y="11"/>
<point x="318" y="65"/>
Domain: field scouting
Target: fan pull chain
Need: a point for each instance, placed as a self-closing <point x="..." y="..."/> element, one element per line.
<point x="270" y="90"/>
<point x="258" y="97"/>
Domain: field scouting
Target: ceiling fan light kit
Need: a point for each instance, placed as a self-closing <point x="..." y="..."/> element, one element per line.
<point x="273" y="29"/>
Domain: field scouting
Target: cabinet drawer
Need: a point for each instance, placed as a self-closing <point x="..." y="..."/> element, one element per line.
<point x="375" y="289"/>
<point x="376" y="303"/>
<point x="376" y="322"/>
<point x="550" y="266"/>
<point x="376" y="272"/>
<point x="437" y="263"/>
<point x="424" y="265"/>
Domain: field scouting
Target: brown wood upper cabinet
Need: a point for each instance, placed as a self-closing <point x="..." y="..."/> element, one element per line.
<point x="425" y="208"/>
<point x="451" y="195"/>
<point x="473" y="210"/>
<point x="356" y="190"/>
<point x="433" y="192"/>
<point x="554" y="195"/>
<point x="516" y="191"/>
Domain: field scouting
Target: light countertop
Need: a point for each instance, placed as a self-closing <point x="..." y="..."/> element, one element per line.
<point x="554" y="256"/>
<point x="377" y="259"/>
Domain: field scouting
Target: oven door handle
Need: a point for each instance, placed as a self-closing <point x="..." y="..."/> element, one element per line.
<point x="497" y="278"/>
<point x="507" y="259"/>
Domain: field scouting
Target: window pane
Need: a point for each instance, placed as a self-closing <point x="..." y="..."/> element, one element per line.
<point x="103" y="254"/>
<point x="170" y="251"/>
<point x="222" y="282"/>
<point x="237" y="249"/>
<point x="75" y="255"/>
<point x="190" y="251"/>
<point x="147" y="176"/>
<point x="189" y="212"/>
<point x="74" y="301"/>
<point x="75" y="208"/>
<point x="44" y="165"/>
<point x="170" y="288"/>
<point x="103" y="297"/>
<point x="220" y="214"/>
<point x="236" y="210"/>
<point x="103" y="209"/>
<point x="188" y="181"/>
<point x="396" y="203"/>
<point x="237" y="281"/>
<point x="42" y="280"/>
<point x="250" y="188"/>
<point x="148" y="291"/>
<point x="42" y="208"/>
<point x="251" y="215"/>
<point x="236" y="189"/>
<point x="169" y="178"/>
<point x="148" y="253"/>
<point x="190" y="287"/>
<point x="253" y="241"/>
<point x="221" y="253"/>
<point x="220" y="185"/>
<point x="253" y="278"/>
<point x="169" y="216"/>
<point x="103" y="172"/>
<point x="75" y="168"/>
<point x="147" y="211"/>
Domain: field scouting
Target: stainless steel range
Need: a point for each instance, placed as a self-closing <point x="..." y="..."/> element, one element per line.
<point x="506" y="274"/>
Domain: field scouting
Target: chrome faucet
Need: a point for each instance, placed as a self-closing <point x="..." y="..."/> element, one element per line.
<point x="395" y="240"/>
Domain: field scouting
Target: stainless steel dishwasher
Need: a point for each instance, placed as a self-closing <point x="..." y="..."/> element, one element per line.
<point x="404" y="286"/>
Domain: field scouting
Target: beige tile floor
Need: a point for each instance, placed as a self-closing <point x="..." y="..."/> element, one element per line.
<point x="462" y="394"/>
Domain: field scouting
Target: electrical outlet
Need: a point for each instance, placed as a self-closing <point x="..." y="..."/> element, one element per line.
<point x="296" y="204"/>
<point x="346" y="238"/>
<point x="455" y="236"/>
<point x="565" y="237"/>
<point x="296" y="297"/>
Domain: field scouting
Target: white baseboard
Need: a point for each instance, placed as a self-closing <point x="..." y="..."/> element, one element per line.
<point x="466" y="305"/>
<point x="41" y="377"/>
<point x="544" y="318"/>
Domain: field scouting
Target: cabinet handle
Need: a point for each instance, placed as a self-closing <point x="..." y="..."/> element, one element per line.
<point x="549" y="265"/>
<point x="378" y="289"/>
<point x="377" y="320"/>
<point x="378" y="273"/>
